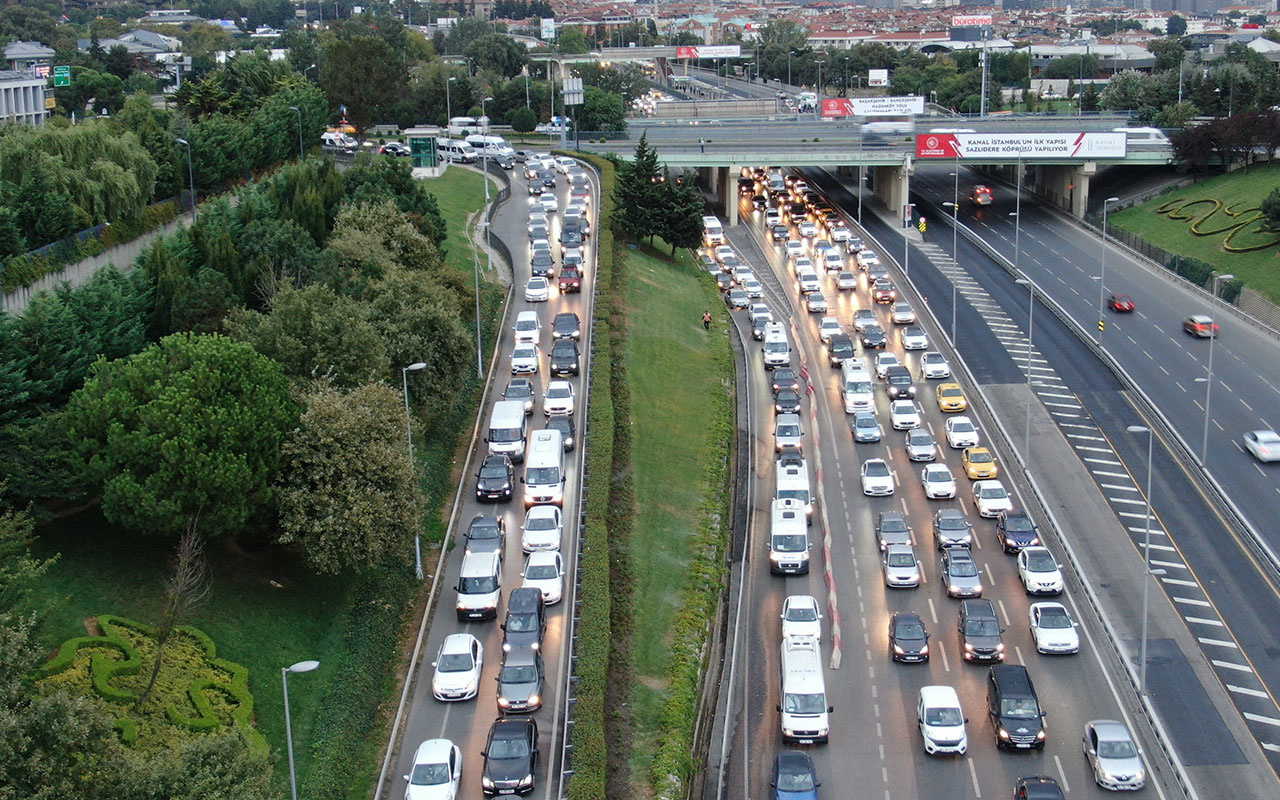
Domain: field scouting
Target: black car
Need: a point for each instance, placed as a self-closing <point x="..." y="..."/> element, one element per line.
<point x="542" y="264"/>
<point x="898" y="383"/>
<point x="526" y="620"/>
<point x="566" y="325"/>
<point x="510" y="757"/>
<point x="785" y="378"/>
<point x="981" y="637"/>
<point x="495" y="478"/>
<point x="1037" y="787"/>
<point x="520" y="389"/>
<point x="570" y="238"/>
<point x="564" y="358"/>
<point x="564" y="424"/>
<point x="786" y="401"/>
<point x="873" y="337"/>
<point x="908" y="640"/>
<point x="760" y="202"/>
<point x="757" y="327"/>
<point x="1015" y="530"/>
<point x="486" y="534"/>
<point x="724" y="281"/>
<point x="780" y="233"/>
<point x="794" y="775"/>
<point x="548" y="178"/>
<point x="839" y="349"/>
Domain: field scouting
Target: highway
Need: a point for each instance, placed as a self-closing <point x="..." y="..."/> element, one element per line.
<point x="874" y="742"/>
<point x="467" y="723"/>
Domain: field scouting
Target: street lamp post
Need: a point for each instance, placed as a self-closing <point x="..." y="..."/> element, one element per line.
<point x="790" y="53"/>
<point x="1146" y="563"/>
<point x="954" y="222"/>
<point x="298" y="111"/>
<point x="300" y="667"/>
<point x="408" y="424"/>
<point x="818" y="110"/>
<point x="488" y="254"/>
<point x="1208" y="386"/>
<point x="1102" y="276"/>
<point x="448" y="100"/>
<point x="1031" y="321"/>
<point x="305" y="71"/>
<point x="191" y="177"/>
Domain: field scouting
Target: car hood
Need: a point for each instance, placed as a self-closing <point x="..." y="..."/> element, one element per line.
<point x="443" y="791"/>
<point x="1120" y="767"/>
<point x="811" y="794"/>
<point x="1058" y="636"/>
<point x="494" y="483"/>
<point x="507" y="769"/>
<point x="519" y="692"/>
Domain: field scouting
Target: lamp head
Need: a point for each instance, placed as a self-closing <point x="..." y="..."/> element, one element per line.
<point x="303" y="666"/>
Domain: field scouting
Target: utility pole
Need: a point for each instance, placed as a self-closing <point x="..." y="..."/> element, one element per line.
<point x="982" y="107"/>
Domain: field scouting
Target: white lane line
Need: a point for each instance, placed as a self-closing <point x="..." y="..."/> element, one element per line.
<point x="1108" y="462"/>
<point x="1154" y="531"/>
<point x="1062" y="773"/>
<point x="1191" y="602"/>
<point x="1164" y="547"/>
<point x="1131" y="515"/>
<point x="1118" y="488"/>
<point x="1203" y="621"/>
<point x="1173" y="564"/>
<point x="1092" y="449"/>
<point x="973" y="773"/>
<point x="1110" y="474"/>
<point x="1053" y="394"/>
<point x="1250" y="692"/>
<point x="1085" y="437"/>
<point x="1178" y="581"/>
<point x="1127" y="501"/>
<point x="1231" y="665"/>
<point x="1217" y="642"/>
<point x="1247" y="715"/>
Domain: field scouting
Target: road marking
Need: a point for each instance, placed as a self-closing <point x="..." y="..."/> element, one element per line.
<point x="1203" y="621"/>
<point x="1118" y="488"/>
<point x="1060" y="405"/>
<point x="973" y="773"/>
<point x="1231" y="665"/>
<point x="1154" y="531"/>
<point x="1051" y="394"/>
<point x="1190" y="602"/>
<point x="1110" y="474"/>
<point x="1086" y="438"/>
<point x="1127" y="501"/>
<point x="1174" y="564"/>
<point x="1217" y="642"/>
<point x="1275" y="748"/>
<point x="1094" y="449"/>
<point x="1260" y="718"/>
<point x="1131" y="515"/>
<point x="1165" y="548"/>
<point x="1178" y="581"/>
<point x="1066" y="787"/>
<point x="1250" y="692"/>
<point x="1105" y="461"/>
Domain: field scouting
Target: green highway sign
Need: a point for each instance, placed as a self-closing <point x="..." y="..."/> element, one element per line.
<point x="62" y="76"/>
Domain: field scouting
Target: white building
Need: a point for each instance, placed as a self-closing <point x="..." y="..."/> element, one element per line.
<point x="22" y="98"/>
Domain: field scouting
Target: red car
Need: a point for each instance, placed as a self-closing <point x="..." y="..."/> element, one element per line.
<point x="570" y="279"/>
<point x="981" y="195"/>
<point x="1121" y="303"/>
<point x="1200" y="326"/>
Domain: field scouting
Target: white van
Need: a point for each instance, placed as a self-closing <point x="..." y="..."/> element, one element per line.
<point x="788" y="538"/>
<point x="712" y="232"/>
<point x="855" y="385"/>
<point x="776" y="350"/>
<point x="507" y="429"/>
<point x="941" y="720"/>
<point x="338" y="141"/>
<point x="479" y="586"/>
<point x="792" y="483"/>
<point x="544" y="471"/>
<point x="1151" y="136"/>
<point x="804" y="706"/>
<point x="463" y="126"/>
<point x="456" y="150"/>
<point x="480" y="141"/>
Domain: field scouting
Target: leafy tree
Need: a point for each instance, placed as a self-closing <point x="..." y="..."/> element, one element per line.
<point x="1176" y="25"/>
<point x="638" y="200"/>
<point x="523" y="120"/>
<point x="1090" y="98"/>
<point x="346" y="492"/>
<point x="190" y="426"/>
<point x="23" y="23"/>
<point x="209" y="767"/>
<point x="601" y="111"/>
<point x="1176" y="115"/>
<point x="500" y="53"/>
<point x="119" y="61"/>
<point x="1127" y="90"/>
<point x="201" y="301"/>
<point x="462" y="33"/>
<point x="363" y="73"/>
<point x="44" y="214"/>
<point x="1169" y="53"/>
<point x="91" y="91"/>
<point x="572" y="41"/>
<point x="1270" y="208"/>
<point x="276" y="252"/>
<point x="1072" y="66"/>
<point x="375" y="180"/>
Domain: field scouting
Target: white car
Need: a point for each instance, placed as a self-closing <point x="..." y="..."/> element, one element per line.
<point x="548" y="202"/>
<point x="990" y="498"/>
<point x="800" y="617"/>
<point x="808" y="230"/>
<point x="436" y="773"/>
<point x="1039" y="570"/>
<point x="801" y="263"/>
<point x="862" y="318"/>
<point x="914" y="338"/>
<point x="753" y="288"/>
<point x="816" y="303"/>
<point x="1264" y="445"/>
<point x="527" y="327"/>
<point x="828" y="327"/>
<point x="846" y="280"/>
<point x="877" y="478"/>
<point x="884" y="361"/>
<point x="904" y="415"/>
<point x="934" y="366"/>
<point x="867" y="259"/>
<point x="757" y="310"/>
<point x="524" y="359"/>
<point x="903" y="314"/>
<point x="541" y="529"/>
<point x="1113" y="756"/>
<point x="938" y="482"/>
<point x="558" y="399"/>
<point x="544" y="571"/>
<point x="722" y="252"/>
<point x="840" y="232"/>
<point x="457" y="668"/>
<point x="794" y="247"/>
<point x="1053" y="629"/>
<point x="807" y="281"/>
<point x="742" y="272"/>
<point x="537" y="290"/>
<point x="832" y="261"/>
<point x="565" y="165"/>
<point x="961" y="433"/>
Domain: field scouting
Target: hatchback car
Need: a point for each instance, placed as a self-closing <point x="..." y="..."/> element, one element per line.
<point x="457" y="668"/>
<point x="541" y="529"/>
<point x="558" y="399"/>
<point x="565" y="426"/>
<point x="938" y="482"/>
<point x="1200" y="326"/>
<point x="960" y="573"/>
<point x="891" y="529"/>
<point x="724" y="281"/>
<point x="537" y="290"/>
<point x="542" y="264"/>
<point x="846" y="281"/>
<point x="1113" y="756"/>
<point x="486" y="534"/>
<point x="816" y="303"/>
<point x="934" y="366"/>
<point x="1052" y="629"/>
<point x="510" y="757"/>
<point x="736" y="298"/>
<point x="785" y="378"/>
<point x="808" y="230"/>
<point x="961" y="433"/>
<point x="865" y="427"/>
<point x="436" y="772"/>
<point x="524" y="359"/>
<point x="862" y="318"/>
<point x="495" y="478"/>
<point x="873" y="337"/>
<point x="757" y="310"/>
<point x="914" y="338"/>
<point x="877" y="478"/>
<point x="901" y="567"/>
<point x="1015" y="531"/>
<point x="867" y="258"/>
<point x="786" y="401"/>
<point x="908" y="639"/>
<point x="884" y="361"/>
<point x="780" y="233"/>
<point x="544" y="571"/>
<point x="839" y="349"/>
<point x="951" y="529"/>
<point x="828" y="327"/>
<point x="990" y="498"/>
<point x="1263" y="445"/>
<point x="981" y="195"/>
<point x="801" y="617"/>
<point x="920" y="445"/>
<point x="1039" y="571"/>
<point x="951" y="398"/>
<point x="978" y="631"/>
<point x="566" y="325"/>
<point x="904" y="415"/>
<point x="980" y="463"/>
<point x="520" y="681"/>
<point x="753" y="288"/>
<point x="902" y="314"/>
<point x="794" y="777"/>
<point x="1037" y="787"/>
<point x="882" y="292"/>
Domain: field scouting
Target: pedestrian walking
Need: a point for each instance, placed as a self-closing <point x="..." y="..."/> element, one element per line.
<point x="702" y="144"/>
<point x="706" y="320"/>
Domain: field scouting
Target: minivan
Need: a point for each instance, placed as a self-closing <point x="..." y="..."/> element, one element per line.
<point x="855" y="385"/>
<point x="788" y="434"/>
<point x="480" y="586"/>
<point x="712" y="231"/>
<point x="792" y="482"/>
<point x="776" y="350"/>
<point x="979" y="631"/>
<point x="899" y="384"/>
<point x="788" y="539"/>
<point x="507" y="429"/>
<point x="804" y="706"/>
<point x="941" y="720"/>
<point x="544" y="476"/>
<point x="1013" y="708"/>
<point x="526" y="620"/>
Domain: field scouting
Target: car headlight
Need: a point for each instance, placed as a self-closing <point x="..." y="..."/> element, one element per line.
<point x="527" y="780"/>
<point x="968" y="648"/>
<point x="504" y="702"/>
<point x="953" y="588"/>
<point x="1040" y="735"/>
<point x="775" y="556"/>
<point x="898" y="650"/>
<point x="534" y="699"/>
<point x="506" y="647"/>
<point x="1002" y="733"/>
<point x="1000" y="647"/>
<point x="486" y="782"/>
<point x="924" y="651"/>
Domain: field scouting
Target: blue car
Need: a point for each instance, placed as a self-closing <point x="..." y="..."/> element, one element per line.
<point x="794" y="777"/>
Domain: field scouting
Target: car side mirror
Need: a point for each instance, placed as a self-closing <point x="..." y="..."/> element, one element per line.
<point x="433" y="663"/>
<point x="966" y="719"/>
<point x="831" y="709"/>
<point x="484" y="753"/>
<point x="1043" y="714"/>
<point x="522" y="479"/>
<point x="779" y="707"/>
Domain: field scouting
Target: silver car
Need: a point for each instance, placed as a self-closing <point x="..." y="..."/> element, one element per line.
<point x="960" y="573"/>
<point x="520" y="681"/>
<point x="901" y="568"/>
<point x="892" y="529"/>
<point x="1113" y="755"/>
<point x="920" y="445"/>
<point x="951" y="529"/>
<point x="866" y="428"/>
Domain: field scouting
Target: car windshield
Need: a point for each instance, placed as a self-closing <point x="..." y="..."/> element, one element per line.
<point x="1054" y="618"/>
<point x="802" y="614"/>
<point x="1116" y="750"/>
<point x="919" y="438"/>
<point x="899" y="378"/>
<point x="522" y="623"/>
<point x="483" y="530"/>
<point x="794" y="494"/>
<point x="1040" y="562"/>
<point x="548" y="523"/>
<point x="486" y="584"/>
<point x="522" y="673"/>
<point x="866" y="422"/>
<point x="910" y="630"/>
<point x="508" y="748"/>
<point x="790" y="543"/>
<point x="943" y="716"/>
<point x="994" y="493"/>
<point x="775" y="347"/>
<point x="901" y="560"/>
<point x="952" y="523"/>
<point x="1019" y="708"/>
<point x="981" y="627"/>
<point x="429" y="774"/>
<point x="796" y="782"/>
<point x="542" y="475"/>
<point x="788" y="430"/>
<point x="454" y="662"/>
<point x="558" y="392"/>
<point x="931" y="358"/>
<point x="980" y="458"/>
<point x="542" y="572"/>
<point x="963" y="568"/>
<point x="876" y="469"/>
<point x="894" y="525"/>
<point x="962" y="427"/>
<point x="937" y="475"/>
<point x="494" y="471"/>
<point x="523" y="352"/>
<point x="804" y="703"/>
<point x="527" y="325"/>
<point x="501" y="436"/>
<point x="1018" y="524"/>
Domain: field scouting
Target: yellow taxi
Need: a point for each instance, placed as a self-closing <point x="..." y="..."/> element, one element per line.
<point x="979" y="463"/>
<point x="951" y="397"/>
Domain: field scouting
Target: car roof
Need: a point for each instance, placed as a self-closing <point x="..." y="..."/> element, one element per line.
<point x="511" y="727"/>
<point x="1110" y="729"/>
<point x="940" y="696"/>
<point x="542" y="556"/>
<point x="457" y="643"/>
<point x="793" y="760"/>
<point x="433" y="751"/>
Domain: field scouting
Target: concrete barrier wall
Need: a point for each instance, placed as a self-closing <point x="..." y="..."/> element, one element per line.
<point x="715" y="109"/>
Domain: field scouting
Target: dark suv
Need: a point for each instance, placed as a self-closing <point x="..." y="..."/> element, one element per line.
<point x="839" y="349"/>
<point x="566" y="325"/>
<point x="570" y="279"/>
<point x="1013" y="708"/>
<point x="564" y="358"/>
<point x="541" y="264"/>
<point x="1015" y="531"/>
<point x="898" y="383"/>
<point x="510" y="757"/>
<point x="526" y="620"/>
<point x="495" y="478"/>
<point x="981" y="637"/>
<point x="486" y="534"/>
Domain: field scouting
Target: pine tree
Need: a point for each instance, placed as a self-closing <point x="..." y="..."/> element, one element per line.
<point x="12" y="242"/>
<point x="639" y="194"/>
<point x="682" y="212"/>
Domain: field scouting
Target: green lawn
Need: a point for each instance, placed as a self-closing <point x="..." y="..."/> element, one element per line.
<point x="1238" y="193"/>
<point x="665" y="302"/>
<point x="459" y="192"/>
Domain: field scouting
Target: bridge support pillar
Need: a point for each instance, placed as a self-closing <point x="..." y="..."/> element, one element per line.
<point x="892" y="186"/>
<point x="1065" y="186"/>
<point x="730" y="193"/>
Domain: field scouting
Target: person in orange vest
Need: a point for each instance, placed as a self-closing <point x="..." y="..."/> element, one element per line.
<point x="706" y="320"/>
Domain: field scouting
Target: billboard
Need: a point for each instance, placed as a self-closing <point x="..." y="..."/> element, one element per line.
<point x="1083" y="146"/>
<point x="710" y="51"/>
<point x="970" y="20"/>
<point x="877" y="77"/>
<point x="547" y="28"/>
<point x="872" y="106"/>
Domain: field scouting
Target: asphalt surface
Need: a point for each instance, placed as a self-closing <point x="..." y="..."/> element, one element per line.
<point x="467" y="723"/>
<point x="874" y="744"/>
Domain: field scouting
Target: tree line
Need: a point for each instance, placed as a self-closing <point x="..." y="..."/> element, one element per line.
<point x="648" y="203"/>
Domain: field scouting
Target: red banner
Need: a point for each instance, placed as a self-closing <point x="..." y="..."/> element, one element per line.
<point x="936" y="145"/>
<point x="837" y="107"/>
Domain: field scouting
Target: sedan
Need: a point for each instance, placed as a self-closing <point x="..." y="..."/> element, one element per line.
<point x="933" y="365"/>
<point x="904" y="415"/>
<point x="1039" y="571"/>
<point x="1113" y="756"/>
<point x="877" y="478"/>
<point x="779" y="233"/>
<point x="495" y="478"/>
<point x="724" y="281"/>
<point x="565" y="426"/>
<point x="537" y="290"/>
<point x="846" y="280"/>
<point x="914" y="338"/>
<point x="873" y="337"/>
<point x="1264" y="445"/>
<point x="938" y="482"/>
<point x="979" y="463"/>
<point x="801" y="263"/>
<point x="866" y="258"/>
<point x="1121" y="303"/>
<point x="951" y="398"/>
<point x="883" y="292"/>
<point x="395" y="149"/>
<point x="961" y="433"/>
<point x="793" y="248"/>
<point x="794" y="777"/>
<point x="785" y="378"/>
<point x="753" y="288"/>
<point x="544" y="571"/>
<point x="542" y="265"/>
<point x="884" y="361"/>
<point x="541" y="529"/>
<point x="786" y="401"/>
<point x="1200" y="326"/>
<point x="865" y="427"/>
<point x="808" y="230"/>
<point x="990" y="498"/>
<point x="486" y="535"/>
<point x="524" y="359"/>
<point x="437" y="770"/>
<point x="901" y="568"/>
<point x="828" y="327"/>
<point x="510" y="757"/>
<point x="920" y="445"/>
<point x="1053" y="629"/>
<point x="457" y="668"/>
<point x="908" y="640"/>
<point x="960" y="573"/>
<point x="1037" y="787"/>
<point x="520" y="681"/>
<point x="902" y="314"/>
<point x="816" y="303"/>
<point x="892" y="529"/>
<point x="736" y="298"/>
<point x="558" y="399"/>
<point x="951" y="529"/>
<point x="757" y="310"/>
<point x="564" y="358"/>
<point x="800" y="617"/>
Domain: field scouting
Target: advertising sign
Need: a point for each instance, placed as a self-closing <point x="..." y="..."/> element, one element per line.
<point x="43" y="70"/>
<point x="877" y="77"/>
<point x="970" y="20"/>
<point x="872" y="106"/>
<point x="710" y="51"/>
<point x="548" y="28"/>
<point x="1084" y="146"/>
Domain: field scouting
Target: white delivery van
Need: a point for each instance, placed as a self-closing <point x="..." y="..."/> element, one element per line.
<point x="804" y="706"/>
<point x="776" y="350"/>
<point x="456" y="150"/>
<point x="712" y="232"/>
<point x="462" y="126"/>
<point x="480" y="141"/>
<point x="855" y="385"/>
<point x="479" y="586"/>
<point x="788" y="538"/>
<point x="508" y="427"/>
<point x="338" y="140"/>
<point x="544" y="469"/>
<point x="792" y="483"/>
<point x="941" y="720"/>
